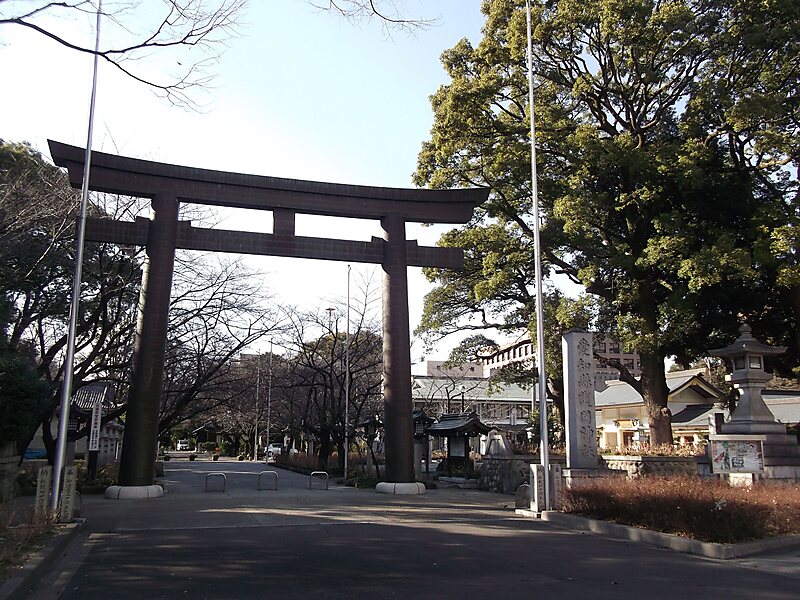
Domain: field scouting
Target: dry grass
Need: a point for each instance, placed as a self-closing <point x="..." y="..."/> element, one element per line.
<point x="708" y="510"/>
<point x="19" y="541"/>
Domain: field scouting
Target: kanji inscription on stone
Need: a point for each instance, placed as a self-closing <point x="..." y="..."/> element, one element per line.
<point x="579" y="400"/>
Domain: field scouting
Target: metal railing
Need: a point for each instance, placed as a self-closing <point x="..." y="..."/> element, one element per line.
<point x="224" y="479"/>
<point x="272" y="473"/>
<point x="318" y="474"/>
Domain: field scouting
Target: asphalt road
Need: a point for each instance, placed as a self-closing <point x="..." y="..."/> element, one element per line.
<point x="346" y="543"/>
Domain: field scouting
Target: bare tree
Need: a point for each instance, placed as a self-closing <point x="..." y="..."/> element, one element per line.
<point x="189" y="33"/>
<point x="389" y="12"/>
<point x="318" y="351"/>
<point x="217" y="312"/>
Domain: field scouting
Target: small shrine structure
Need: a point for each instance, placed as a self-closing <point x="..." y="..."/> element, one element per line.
<point x="459" y="429"/>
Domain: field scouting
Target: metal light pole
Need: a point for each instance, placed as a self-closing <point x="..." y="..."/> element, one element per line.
<point x="545" y="460"/>
<point x="258" y="390"/>
<point x="347" y="377"/>
<point x="69" y="359"/>
<point x="269" y="398"/>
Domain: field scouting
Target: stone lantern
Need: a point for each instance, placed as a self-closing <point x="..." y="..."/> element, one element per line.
<point x="752" y="421"/>
<point x="749" y="377"/>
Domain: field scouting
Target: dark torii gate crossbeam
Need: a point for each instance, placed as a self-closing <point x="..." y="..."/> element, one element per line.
<point x="168" y="185"/>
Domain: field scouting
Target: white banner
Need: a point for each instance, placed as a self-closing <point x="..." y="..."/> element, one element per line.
<point x="94" y="431"/>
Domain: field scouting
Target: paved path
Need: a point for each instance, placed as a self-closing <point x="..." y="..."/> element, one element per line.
<point x="347" y="543"/>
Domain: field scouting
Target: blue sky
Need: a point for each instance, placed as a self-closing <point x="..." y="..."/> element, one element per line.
<point x="300" y="93"/>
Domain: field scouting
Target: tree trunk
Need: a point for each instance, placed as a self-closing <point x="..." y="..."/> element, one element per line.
<point x="655" y="393"/>
<point x="324" y="449"/>
<point x="794" y="294"/>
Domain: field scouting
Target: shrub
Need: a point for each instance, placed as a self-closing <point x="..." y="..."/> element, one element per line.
<point x="192" y="456"/>
<point x="26" y="480"/>
<point x="661" y="450"/>
<point x="299" y="460"/>
<point x="703" y="509"/>
<point x="215" y="456"/>
<point x="362" y="481"/>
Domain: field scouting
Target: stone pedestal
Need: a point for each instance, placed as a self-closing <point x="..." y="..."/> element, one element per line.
<point x="578" y="477"/>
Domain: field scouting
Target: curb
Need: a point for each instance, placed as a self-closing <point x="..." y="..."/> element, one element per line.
<point x="18" y="585"/>
<point x="668" y="540"/>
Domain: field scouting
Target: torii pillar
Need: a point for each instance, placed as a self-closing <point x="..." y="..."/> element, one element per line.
<point x="141" y="424"/>
<point x="397" y="402"/>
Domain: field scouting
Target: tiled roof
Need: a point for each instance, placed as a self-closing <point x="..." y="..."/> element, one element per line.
<point x="620" y="393"/>
<point x="695" y="415"/>
<point x="83" y="398"/>
<point x="465" y="423"/>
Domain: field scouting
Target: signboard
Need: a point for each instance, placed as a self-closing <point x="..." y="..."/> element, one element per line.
<point x="94" y="431"/>
<point x="737" y="454"/>
<point x="456" y="446"/>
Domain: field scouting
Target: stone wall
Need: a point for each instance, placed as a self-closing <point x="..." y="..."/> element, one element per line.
<point x="636" y="466"/>
<point x="504" y="474"/>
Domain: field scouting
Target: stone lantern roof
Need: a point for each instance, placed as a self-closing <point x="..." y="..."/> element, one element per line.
<point x="746" y="344"/>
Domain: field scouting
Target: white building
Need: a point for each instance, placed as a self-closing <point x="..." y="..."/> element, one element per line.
<point x="523" y="350"/>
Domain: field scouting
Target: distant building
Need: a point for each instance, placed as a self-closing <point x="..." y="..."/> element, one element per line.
<point x="523" y="350"/>
<point x="464" y="388"/>
<point x="437" y="368"/>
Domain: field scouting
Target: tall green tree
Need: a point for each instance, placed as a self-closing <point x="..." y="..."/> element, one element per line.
<point x="665" y="130"/>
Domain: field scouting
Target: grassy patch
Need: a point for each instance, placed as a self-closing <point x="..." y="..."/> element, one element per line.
<point x="708" y="510"/>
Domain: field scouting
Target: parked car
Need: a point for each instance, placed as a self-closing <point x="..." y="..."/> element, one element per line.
<point x="273" y="450"/>
<point x="182" y="445"/>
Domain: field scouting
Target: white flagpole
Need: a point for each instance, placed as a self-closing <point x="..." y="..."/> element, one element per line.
<point x="69" y="359"/>
<point x="543" y="452"/>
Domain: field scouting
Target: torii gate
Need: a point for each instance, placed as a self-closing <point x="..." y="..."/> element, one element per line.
<point x="168" y="185"/>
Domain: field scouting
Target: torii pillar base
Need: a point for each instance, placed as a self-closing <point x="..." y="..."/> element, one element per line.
<point x="401" y="489"/>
